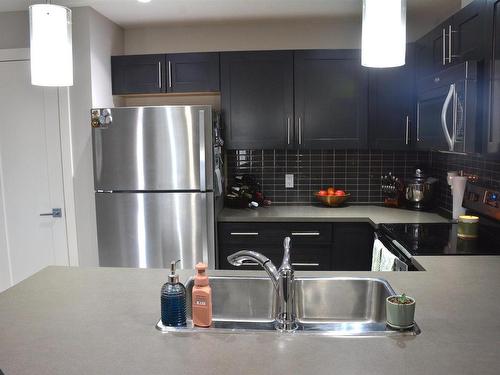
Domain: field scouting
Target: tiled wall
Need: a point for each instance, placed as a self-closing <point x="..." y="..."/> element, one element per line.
<point x="487" y="170"/>
<point x="357" y="172"/>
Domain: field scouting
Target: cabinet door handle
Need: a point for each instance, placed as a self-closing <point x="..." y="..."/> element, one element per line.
<point x="305" y="233"/>
<point x="249" y="264"/>
<point x="449" y="44"/>
<point x="288" y="123"/>
<point x="444" y="46"/>
<point x="306" y="264"/>
<point x="159" y="74"/>
<point x="407" y="133"/>
<point x="418" y="122"/>
<point x="300" y="130"/>
<point x="170" y="74"/>
<point x="244" y="233"/>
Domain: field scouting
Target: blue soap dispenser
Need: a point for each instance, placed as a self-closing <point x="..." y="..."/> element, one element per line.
<point x="173" y="300"/>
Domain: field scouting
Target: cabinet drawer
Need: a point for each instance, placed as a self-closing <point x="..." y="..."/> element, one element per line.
<point x="251" y="234"/>
<point x="274" y="233"/>
<point x="302" y="258"/>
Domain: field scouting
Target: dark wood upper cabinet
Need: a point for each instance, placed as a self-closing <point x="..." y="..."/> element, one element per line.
<point x="171" y="73"/>
<point x="192" y="72"/>
<point x="392" y="105"/>
<point x="431" y="51"/>
<point x="467" y="33"/>
<point x="491" y="130"/>
<point x="138" y="74"/>
<point x="459" y="38"/>
<point x="257" y="99"/>
<point x="331" y="99"/>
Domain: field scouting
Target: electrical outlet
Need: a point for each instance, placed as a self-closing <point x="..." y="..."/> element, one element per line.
<point x="289" y="181"/>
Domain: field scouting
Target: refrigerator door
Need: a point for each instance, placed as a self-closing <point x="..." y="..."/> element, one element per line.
<point x="164" y="148"/>
<point x="149" y="230"/>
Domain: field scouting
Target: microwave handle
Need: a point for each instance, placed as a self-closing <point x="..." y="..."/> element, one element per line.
<point x="446" y="104"/>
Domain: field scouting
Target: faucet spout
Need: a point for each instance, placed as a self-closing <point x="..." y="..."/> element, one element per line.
<point x="282" y="278"/>
<point x="239" y="258"/>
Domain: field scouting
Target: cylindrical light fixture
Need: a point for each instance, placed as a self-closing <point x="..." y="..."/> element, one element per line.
<point x="383" y="43"/>
<point x="51" y="46"/>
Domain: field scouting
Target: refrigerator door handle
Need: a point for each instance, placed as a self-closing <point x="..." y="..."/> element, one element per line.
<point x="203" y="173"/>
<point x="444" y="111"/>
<point x="204" y="230"/>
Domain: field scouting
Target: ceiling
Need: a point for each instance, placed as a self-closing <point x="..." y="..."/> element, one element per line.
<point x="131" y="13"/>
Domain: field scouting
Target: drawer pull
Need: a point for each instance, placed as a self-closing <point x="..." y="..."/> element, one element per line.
<point x="306" y="233"/>
<point x="244" y="233"/>
<point x="306" y="264"/>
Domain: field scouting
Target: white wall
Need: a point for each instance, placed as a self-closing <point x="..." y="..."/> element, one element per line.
<point x="95" y="39"/>
<point x="269" y="34"/>
<point x="248" y="35"/>
<point x="106" y="39"/>
<point x="14" y="30"/>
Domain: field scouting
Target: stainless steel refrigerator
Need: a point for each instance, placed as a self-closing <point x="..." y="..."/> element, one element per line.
<point x="153" y="174"/>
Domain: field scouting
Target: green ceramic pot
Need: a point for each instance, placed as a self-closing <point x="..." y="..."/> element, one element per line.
<point x="398" y="315"/>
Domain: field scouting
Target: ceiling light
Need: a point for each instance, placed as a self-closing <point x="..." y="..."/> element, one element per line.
<point x="51" y="50"/>
<point x="383" y="43"/>
<point x="144" y="1"/>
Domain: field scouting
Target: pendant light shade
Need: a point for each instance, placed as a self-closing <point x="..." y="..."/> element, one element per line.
<point x="383" y="43"/>
<point x="51" y="45"/>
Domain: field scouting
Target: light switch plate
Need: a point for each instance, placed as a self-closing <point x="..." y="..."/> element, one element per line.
<point x="289" y="181"/>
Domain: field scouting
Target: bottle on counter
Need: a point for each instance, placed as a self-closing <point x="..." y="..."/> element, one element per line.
<point x="201" y="298"/>
<point x="173" y="300"/>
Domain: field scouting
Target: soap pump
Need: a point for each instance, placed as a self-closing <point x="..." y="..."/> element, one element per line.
<point x="201" y="298"/>
<point x="173" y="300"/>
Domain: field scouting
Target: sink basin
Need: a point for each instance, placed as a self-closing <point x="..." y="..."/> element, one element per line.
<point x="324" y="305"/>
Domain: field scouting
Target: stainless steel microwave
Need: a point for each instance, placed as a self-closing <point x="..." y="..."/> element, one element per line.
<point x="447" y="110"/>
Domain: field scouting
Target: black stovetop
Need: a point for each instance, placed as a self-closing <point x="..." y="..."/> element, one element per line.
<point x="442" y="239"/>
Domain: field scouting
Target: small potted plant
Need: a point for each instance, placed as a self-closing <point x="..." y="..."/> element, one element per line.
<point x="400" y="311"/>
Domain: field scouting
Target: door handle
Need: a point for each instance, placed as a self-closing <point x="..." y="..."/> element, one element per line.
<point x="418" y="122"/>
<point x="288" y="123"/>
<point x="306" y="264"/>
<point x="170" y="74"/>
<point x="56" y="212"/>
<point x="444" y="111"/>
<point x="305" y="233"/>
<point x="300" y="130"/>
<point x="407" y="133"/>
<point x="249" y="264"/>
<point x="444" y="46"/>
<point x="244" y="233"/>
<point x="159" y="74"/>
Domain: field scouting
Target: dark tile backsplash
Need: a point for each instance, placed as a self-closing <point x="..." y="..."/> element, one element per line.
<point x="487" y="170"/>
<point x="358" y="172"/>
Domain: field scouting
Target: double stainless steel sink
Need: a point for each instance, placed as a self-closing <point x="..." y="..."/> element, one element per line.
<point x="339" y="306"/>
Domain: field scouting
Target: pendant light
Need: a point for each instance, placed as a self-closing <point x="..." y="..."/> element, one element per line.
<point x="383" y="43"/>
<point x="51" y="46"/>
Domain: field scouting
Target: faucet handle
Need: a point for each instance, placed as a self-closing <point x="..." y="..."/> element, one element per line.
<point x="285" y="264"/>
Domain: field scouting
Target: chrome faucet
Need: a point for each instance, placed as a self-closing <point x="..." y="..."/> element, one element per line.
<point x="283" y="281"/>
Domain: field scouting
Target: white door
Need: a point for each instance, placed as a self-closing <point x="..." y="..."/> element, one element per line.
<point x="30" y="176"/>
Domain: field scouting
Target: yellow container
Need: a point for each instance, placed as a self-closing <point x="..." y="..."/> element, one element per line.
<point x="468" y="226"/>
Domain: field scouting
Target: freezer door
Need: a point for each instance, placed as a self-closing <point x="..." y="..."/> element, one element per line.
<point x="149" y="230"/>
<point x="153" y="148"/>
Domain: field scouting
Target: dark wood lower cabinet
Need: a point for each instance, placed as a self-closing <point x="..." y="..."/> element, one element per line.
<point x="315" y="246"/>
<point x="352" y="247"/>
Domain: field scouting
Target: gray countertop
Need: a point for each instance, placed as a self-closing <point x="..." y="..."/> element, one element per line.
<point x="101" y="321"/>
<point x="361" y="213"/>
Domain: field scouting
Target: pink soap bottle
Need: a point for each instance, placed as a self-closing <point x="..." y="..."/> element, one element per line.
<point x="201" y="298"/>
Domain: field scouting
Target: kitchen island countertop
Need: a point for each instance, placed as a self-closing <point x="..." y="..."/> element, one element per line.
<point x="315" y="213"/>
<point x="101" y="321"/>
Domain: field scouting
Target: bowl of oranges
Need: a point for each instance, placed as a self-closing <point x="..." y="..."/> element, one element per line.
<point x="332" y="197"/>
